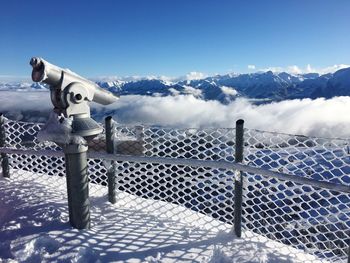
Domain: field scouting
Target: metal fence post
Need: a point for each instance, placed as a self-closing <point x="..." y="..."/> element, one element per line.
<point x="110" y="149"/>
<point x="238" y="179"/>
<point x="4" y="158"/>
<point x="77" y="185"/>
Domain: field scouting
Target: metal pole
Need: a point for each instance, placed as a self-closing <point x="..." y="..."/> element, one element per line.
<point x="4" y="158"/>
<point x="110" y="149"/>
<point x="69" y="191"/>
<point x="77" y="185"/>
<point x="238" y="179"/>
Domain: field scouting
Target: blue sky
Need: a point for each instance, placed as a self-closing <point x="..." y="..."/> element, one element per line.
<point x="163" y="37"/>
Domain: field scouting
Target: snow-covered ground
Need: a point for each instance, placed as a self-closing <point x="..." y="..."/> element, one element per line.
<point x="34" y="228"/>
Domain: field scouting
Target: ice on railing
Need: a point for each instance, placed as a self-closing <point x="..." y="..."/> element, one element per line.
<point x="128" y="141"/>
<point x="323" y="159"/>
<point x="58" y="129"/>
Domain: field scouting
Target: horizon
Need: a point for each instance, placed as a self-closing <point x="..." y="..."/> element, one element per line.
<point x="160" y="38"/>
<point x="193" y="75"/>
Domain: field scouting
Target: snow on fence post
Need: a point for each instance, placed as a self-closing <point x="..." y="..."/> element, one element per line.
<point x="4" y="158"/>
<point x="239" y="144"/>
<point x="77" y="185"/>
<point x="110" y="149"/>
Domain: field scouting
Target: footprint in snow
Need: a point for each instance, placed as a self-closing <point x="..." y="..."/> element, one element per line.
<point x="87" y="255"/>
<point x="36" y="250"/>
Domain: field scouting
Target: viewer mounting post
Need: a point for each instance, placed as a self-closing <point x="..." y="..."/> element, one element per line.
<point x="110" y="148"/>
<point x="238" y="178"/>
<point x="70" y="95"/>
<point x="77" y="185"/>
<point x="4" y="158"/>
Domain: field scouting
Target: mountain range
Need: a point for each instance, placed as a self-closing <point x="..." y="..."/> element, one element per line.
<point x="260" y="86"/>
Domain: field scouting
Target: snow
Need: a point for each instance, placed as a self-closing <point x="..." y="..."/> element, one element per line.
<point x="59" y="129"/>
<point x="34" y="228"/>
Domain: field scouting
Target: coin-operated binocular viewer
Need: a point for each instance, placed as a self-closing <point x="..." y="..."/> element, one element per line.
<point x="70" y="96"/>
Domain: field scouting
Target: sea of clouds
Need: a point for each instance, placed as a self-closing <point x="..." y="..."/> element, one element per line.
<point x="319" y="117"/>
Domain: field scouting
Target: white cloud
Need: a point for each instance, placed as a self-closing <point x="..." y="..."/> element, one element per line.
<point x="309" y="69"/>
<point x="106" y="78"/>
<point x="229" y="90"/>
<point x="273" y="69"/>
<point x="195" y="75"/>
<point x="174" y="92"/>
<point x="13" y="78"/>
<point x="25" y="100"/>
<point x="131" y="78"/>
<point x="332" y="69"/>
<point x="294" y="69"/>
<point x="318" y="117"/>
<point x="193" y="91"/>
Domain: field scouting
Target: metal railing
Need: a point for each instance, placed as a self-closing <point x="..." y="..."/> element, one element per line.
<point x="196" y="169"/>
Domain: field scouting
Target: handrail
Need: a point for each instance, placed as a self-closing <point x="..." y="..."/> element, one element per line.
<point x="192" y="163"/>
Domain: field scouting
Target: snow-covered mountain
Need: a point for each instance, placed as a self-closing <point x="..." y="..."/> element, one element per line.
<point x="339" y="84"/>
<point x="24" y="86"/>
<point x="260" y="85"/>
<point x="268" y="85"/>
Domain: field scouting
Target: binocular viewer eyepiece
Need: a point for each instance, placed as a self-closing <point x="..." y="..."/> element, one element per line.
<point x="54" y="76"/>
<point x="70" y="95"/>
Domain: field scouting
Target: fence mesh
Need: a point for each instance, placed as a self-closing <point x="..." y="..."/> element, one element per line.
<point x="23" y="135"/>
<point x="319" y="158"/>
<point x="312" y="219"/>
<point x="206" y="190"/>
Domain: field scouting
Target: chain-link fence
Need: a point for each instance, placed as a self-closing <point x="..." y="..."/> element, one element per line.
<point x="206" y="190"/>
<point x="306" y="217"/>
<point x="317" y="220"/>
<point x="23" y="135"/>
<point x="303" y="216"/>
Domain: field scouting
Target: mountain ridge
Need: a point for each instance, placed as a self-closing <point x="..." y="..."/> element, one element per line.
<point x="266" y="86"/>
